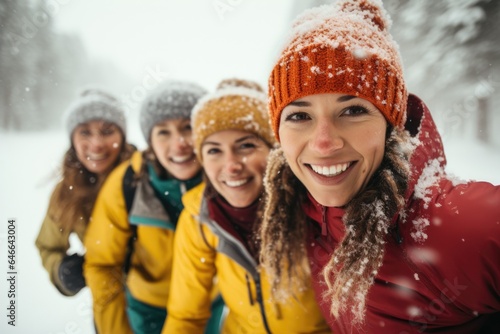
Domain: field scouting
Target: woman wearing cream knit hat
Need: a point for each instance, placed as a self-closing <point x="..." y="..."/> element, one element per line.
<point x="216" y="236"/>
<point x="358" y="196"/>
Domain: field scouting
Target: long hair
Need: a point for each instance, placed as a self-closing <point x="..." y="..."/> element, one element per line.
<point x="149" y="157"/>
<point x="353" y="265"/>
<point x="283" y="252"/>
<point x="74" y="197"/>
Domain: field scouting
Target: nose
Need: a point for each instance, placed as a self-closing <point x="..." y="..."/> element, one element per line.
<point x="181" y="141"/>
<point x="233" y="163"/>
<point x="326" y="138"/>
<point x="96" y="142"/>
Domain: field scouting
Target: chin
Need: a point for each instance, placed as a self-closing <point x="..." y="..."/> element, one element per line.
<point x="185" y="175"/>
<point x="327" y="200"/>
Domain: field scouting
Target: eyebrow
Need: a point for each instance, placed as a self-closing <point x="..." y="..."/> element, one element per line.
<point x="343" y="98"/>
<point x="239" y="140"/>
<point x="107" y="125"/>
<point x="299" y="104"/>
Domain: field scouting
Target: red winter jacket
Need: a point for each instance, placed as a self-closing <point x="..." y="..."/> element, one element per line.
<point x="441" y="269"/>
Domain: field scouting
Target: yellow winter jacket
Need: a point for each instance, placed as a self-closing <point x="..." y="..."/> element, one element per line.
<point x="106" y="242"/>
<point x="53" y="242"/>
<point x="202" y="250"/>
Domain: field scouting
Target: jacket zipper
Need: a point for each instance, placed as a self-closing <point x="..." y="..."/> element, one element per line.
<point x="324" y="230"/>
<point x="249" y="290"/>
<point x="221" y="233"/>
<point x="259" y="299"/>
<point x="258" y="292"/>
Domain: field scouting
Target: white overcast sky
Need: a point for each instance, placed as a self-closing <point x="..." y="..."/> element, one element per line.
<point x="200" y="40"/>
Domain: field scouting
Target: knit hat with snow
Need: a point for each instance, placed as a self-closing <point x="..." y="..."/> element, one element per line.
<point x="341" y="48"/>
<point x="95" y="104"/>
<point x="235" y="105"/>
<point x="170" y="100"/>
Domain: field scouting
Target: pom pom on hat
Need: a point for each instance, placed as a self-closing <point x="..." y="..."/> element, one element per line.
<point x="94" y="104"/>
<point x="341" y="48"/>
<point x="236" y="105"/>
<point x="170" y="100"/>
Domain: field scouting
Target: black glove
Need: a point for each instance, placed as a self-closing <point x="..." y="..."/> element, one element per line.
<point x="71" y="273"/>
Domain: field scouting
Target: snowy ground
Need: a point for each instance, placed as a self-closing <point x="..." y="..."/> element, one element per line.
<point x="27" y="177"/>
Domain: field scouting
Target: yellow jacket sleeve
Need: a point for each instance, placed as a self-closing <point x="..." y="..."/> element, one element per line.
<point x="52" y="243"/>
<point x="192" y="278"/>
<point x="106" y="243"/>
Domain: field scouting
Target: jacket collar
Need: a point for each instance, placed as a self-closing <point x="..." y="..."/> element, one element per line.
<point x="328" y="218"/>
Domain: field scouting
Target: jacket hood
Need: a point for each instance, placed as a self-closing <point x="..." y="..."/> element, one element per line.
<point x="427" y="145"/>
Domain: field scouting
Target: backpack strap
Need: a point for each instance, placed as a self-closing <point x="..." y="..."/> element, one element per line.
<point x="128" y="187"/>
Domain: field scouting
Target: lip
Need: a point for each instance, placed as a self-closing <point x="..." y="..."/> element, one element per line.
<point x="97" y="158"/>
<point x="331" y="179"/>
<point x="237" y="183"/>
<point x="182" y="160"/>
<point x="331" y="170"/>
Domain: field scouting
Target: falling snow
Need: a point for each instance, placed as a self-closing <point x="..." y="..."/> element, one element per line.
<point x="78" y="308"/>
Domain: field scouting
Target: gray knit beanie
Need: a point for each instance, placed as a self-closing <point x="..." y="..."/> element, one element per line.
<point x="95" y="104"/>
<point x="170" y="100"/>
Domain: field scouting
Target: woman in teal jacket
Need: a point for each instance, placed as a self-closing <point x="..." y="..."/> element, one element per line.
<point x="136" y="213"/>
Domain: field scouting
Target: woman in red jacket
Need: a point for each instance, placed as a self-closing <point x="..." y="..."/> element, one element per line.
<point x="358" y="195"/>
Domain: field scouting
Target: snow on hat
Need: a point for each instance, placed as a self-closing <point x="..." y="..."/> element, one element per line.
<point x="94" y="104"/>
<point x="170" y="100"/>
<point x="343" y="48"/>
<point x="235" y="105"/>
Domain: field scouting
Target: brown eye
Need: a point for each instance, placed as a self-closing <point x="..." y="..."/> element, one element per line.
<point x="84" y="132"/>
<point x="163" y="132"/>
<point x="354" y="111"/>
<point x="108" y="131"/>
<point x="297" y="117"/>
<point x="212" y="151"/>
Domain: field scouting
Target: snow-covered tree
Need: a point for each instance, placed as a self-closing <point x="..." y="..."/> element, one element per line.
<point x="37" y="66"/>
<point x="452" y="58"/>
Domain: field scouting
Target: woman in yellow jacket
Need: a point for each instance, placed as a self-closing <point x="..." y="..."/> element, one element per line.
<point x="216" y="234"/>
<point x="95" y="123"/>
<point x="137" y="211"/>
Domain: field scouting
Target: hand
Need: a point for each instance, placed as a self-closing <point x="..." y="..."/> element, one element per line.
<point x="71" y="273"/>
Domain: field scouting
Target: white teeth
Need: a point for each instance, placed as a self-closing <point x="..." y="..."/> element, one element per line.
<point x="237" y="183"/>
<point x="331" y="170"/>
<point x="181" y="159"/>
<point x="96" y="157"/>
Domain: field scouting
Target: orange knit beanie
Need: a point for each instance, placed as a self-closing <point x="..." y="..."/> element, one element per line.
<point x="235" y="105"/>
<point x="341" y="48"/>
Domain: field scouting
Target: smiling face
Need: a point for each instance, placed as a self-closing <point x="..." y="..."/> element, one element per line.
<point x="172" y="144"/>
<point x="235" y="162"/>
<point x="98" y="145"/>
<point x="333" y="144"/>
